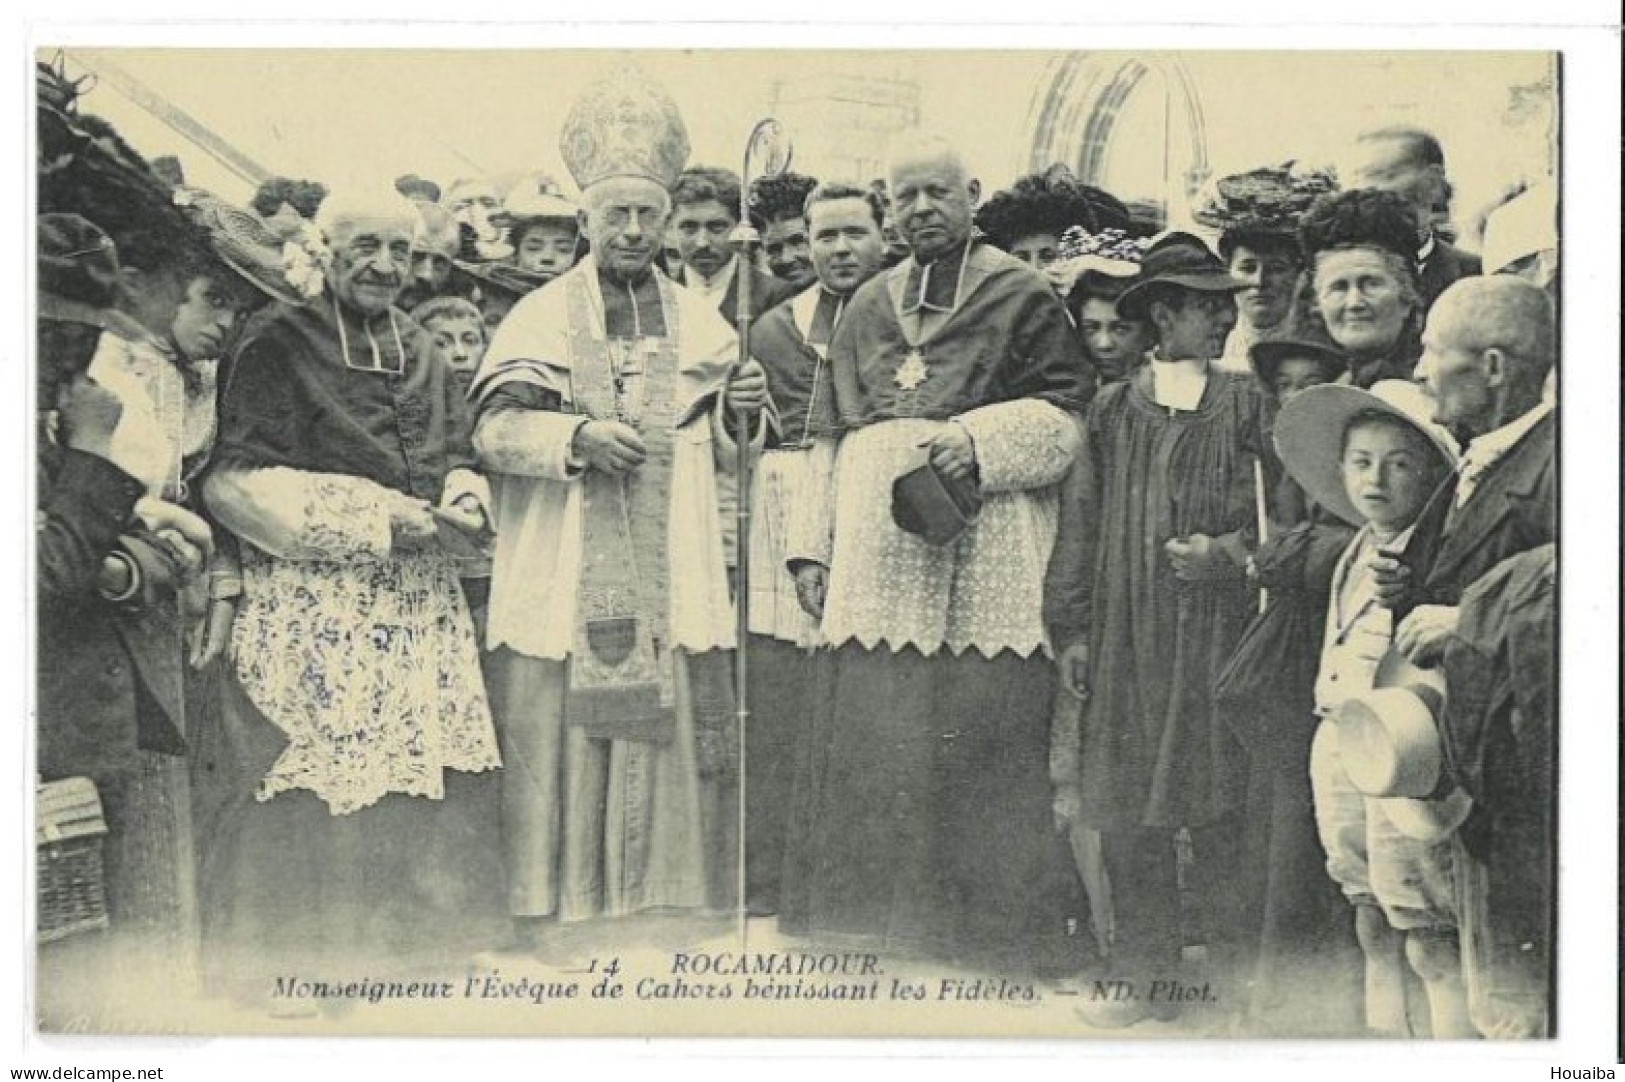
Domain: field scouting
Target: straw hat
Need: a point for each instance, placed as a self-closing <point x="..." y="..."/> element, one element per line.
<point x="242" y="241"/>
<point x="1309" y="435"/>
<point x="538" y="197"/>
<point x="1521" y="227"/>
<point x="1391" y="750"/>
<point x="1098" y="264"/>
<point x="1269" y="200"/>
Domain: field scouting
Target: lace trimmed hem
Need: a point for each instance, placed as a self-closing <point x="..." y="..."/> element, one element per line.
<point x="898" y="643"/>
<point x="371" y="671"/>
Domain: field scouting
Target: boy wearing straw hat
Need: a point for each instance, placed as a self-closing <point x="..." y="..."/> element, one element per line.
<point x="1373" y="460"/>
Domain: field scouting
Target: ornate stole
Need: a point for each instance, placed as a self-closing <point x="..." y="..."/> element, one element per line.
<point x="621" y="679"/>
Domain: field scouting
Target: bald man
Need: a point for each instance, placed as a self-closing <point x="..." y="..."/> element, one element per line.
<point x="934" y="826"/>
<point x="1487" y="349"/>
<point x="1489" y="345"/>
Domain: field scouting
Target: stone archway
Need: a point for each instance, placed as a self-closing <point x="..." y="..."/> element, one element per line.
<point x="1075" y="111"/>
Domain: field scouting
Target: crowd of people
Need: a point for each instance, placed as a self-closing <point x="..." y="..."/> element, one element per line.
<point x="1122" y="608"/>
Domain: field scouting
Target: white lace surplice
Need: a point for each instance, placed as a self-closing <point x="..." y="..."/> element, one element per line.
<point x="983" y="591"/>
<point x="366" y="661"/>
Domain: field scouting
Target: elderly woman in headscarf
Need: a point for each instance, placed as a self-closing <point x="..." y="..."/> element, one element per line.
<point x="358" y="723"/>
<point x="1361" y="273"/>
<point x="1257" y="214"/>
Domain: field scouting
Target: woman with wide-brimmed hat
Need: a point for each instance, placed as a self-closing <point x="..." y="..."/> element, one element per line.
<point x="168" y="300"/>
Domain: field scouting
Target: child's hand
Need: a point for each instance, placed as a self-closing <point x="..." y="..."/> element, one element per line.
<point x="1392" y="577"/>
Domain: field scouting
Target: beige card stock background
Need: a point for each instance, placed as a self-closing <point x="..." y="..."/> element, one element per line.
<point x="370" y="115"/>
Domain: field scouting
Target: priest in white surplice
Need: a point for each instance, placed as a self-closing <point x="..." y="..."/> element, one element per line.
<point x="602" y="418"/>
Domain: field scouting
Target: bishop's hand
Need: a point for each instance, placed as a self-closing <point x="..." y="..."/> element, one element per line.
<point x="609" y="446"/>
<point x="747" y="391"/>
<point x="411" y="525"/>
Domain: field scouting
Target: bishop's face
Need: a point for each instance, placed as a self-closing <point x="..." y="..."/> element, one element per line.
<point x="625" y="222"/>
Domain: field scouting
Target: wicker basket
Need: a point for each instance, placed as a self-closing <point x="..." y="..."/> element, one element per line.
<point x="68" y="842"/>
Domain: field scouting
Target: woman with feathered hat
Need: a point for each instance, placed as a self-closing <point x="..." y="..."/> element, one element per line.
<point x="1257" y="215"/>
